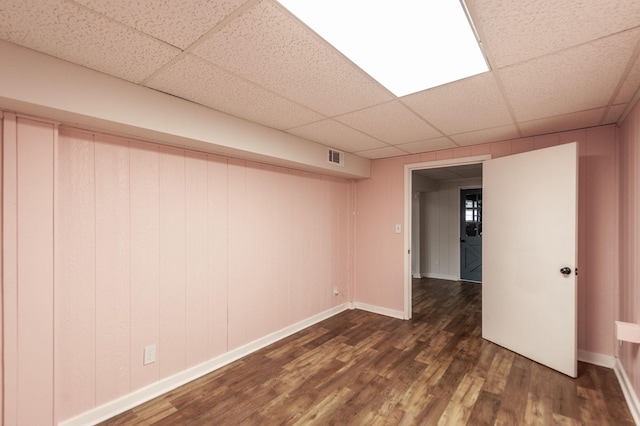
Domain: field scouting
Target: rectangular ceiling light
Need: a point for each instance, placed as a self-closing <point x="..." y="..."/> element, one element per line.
<point x="406" y="45"/>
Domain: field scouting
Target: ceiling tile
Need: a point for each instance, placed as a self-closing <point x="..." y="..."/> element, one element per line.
<point x="202" y="82"/>
<point x="176" y="22"/>
<point x="386" y="152"/>
<point x="462" y="106"/>
<point x="392" y="122"/>
<point x="630" y="85"/>
<point x="516" y="30"/>
<point x="577" y="79"/>
<point x="71" y="32"/>
<point x="272" y="48"/>
<point x="428" y="145"/>
<point x="337" y="135"/>
<point x="486" y="135"/>
<point x="576" y="120"/>
<point x="468" y="171"/>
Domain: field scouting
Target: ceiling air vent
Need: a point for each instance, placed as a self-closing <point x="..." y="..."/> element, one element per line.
<point x="336" y="157"/>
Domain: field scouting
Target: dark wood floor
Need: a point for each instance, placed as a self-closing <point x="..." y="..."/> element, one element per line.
<point x="359" y="368"/>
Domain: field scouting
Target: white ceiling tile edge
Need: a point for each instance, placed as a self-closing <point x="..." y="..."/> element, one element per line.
<point x="40" y="85"/>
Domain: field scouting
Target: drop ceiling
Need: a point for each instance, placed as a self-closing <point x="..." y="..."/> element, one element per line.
<point x="453" y="173"/>
<point x="555" y="66"/>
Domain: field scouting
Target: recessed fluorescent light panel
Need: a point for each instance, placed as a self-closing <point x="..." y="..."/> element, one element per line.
<point x="406" y="45"/>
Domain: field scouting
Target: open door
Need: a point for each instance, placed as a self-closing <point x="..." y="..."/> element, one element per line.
<point x="530" y="255"/>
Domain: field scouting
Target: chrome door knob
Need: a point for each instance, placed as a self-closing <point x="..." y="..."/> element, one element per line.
<point x="565" y="271"/>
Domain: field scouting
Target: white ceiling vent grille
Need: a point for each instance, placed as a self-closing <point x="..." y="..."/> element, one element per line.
<point x="336" y="157"/>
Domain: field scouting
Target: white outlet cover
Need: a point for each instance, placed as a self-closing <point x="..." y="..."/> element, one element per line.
<point x="149" y="355"/>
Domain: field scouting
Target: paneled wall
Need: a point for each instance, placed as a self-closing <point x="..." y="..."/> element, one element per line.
<point x="124" y="244"/>
<point x="1" y="268"/>
<point x="380" y="255"/>
<point x="629" y="155"/>
<point x="28" y="268"/>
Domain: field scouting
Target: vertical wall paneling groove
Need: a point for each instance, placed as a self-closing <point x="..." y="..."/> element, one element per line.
<point x="279" y="195"/>
<point x="241" y="255"/>
<point x="54" y="193"/>
<point x="584" y="238"/>
<point x="172" y="349"/>
<point x="632" y="227"/>
<point x="75" y="329"/>
<point x="617" y="251"/>
<point x="9" y="269"/>
<point x="297" y="206"/>
<point x="626" y="213"/>
<point x="35" y="271"/>
<point x="145" y="267"/>
<point x="113" y="290"/>
<point x="630" y="167"/>
<point x="217" y="254"/>
<point x="197" y="292"/>
<point x="629" y="157"/>
<point x="1" y="270"/>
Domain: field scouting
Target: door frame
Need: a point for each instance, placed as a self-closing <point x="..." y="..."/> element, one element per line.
<point x="408" y="196"/>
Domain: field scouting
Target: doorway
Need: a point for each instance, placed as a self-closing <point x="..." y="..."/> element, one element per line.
<point x="526" y="274"/>
<point x="432" y="236"/>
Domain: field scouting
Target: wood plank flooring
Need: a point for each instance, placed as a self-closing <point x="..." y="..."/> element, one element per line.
<point x="359" y="368"/>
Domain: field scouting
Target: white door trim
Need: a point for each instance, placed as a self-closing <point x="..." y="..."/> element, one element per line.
<point x="408" y="195"/>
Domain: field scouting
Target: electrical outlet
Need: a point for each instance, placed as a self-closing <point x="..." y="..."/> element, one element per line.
<point x="149" y="355"/>
<point x="335" y="291"/>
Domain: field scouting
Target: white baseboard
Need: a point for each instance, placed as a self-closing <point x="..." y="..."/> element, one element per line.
<point x="628" y="391"/>
<point x="416" y="275"/>
<point x="441" y="276"/>
<point x="379" y="310"/>
<point x="597" y="359"/>
<point x="163" y="386"/>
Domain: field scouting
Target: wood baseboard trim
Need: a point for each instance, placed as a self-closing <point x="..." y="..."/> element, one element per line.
<point x="628" y="391"/>
<point x="115" y="407"/>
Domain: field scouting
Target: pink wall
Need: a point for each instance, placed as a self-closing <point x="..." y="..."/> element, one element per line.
<point x="629" y="137"/>
<point x="1" y="272"/>
<point x="195" y="253"/>
<point x="201" y="254"/>
<point x="380" y="204"/>
<point x="28" y="270"/>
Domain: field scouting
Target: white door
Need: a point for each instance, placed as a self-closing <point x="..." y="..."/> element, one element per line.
<point x="529" y="239"/>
